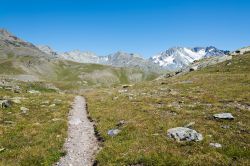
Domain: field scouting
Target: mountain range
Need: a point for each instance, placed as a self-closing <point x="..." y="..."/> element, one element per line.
<point x="172" y="59"/>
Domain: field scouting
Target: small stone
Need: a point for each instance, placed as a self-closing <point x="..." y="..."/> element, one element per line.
<point x="24" y="110"/>
<point x="225" y="126"/>
<point x="2" y="149"/>
<point x="113" y="132"/>
<point x="126" y="86"/>
<point x="115" y="98"/>
<point x="120" y="123"/>
<point x="184" y="134"/>
<point x="52" y="105"/>
<point x="33" y="91"/>
<point x="45" y="102"/>
<point x="193" y="68"/>
<point x="216" y="145"/>
<point x="189" y="125"/>
<point x="228" y="116"/>
<point x="122" y="90"/>
<point x="9" y="122"/>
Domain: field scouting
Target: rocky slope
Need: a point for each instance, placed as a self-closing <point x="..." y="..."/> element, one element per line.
<point x="12" y="45"/>
<point x="179" y="57"/>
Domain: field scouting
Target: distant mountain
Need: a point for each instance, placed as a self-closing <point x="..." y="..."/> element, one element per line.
<point x="80" y="56"/>
<point x="118" y="59"/>
<point x="179" y="57"/>
<point x="24" y="61"/>
<point x="10" y="44"/>
<point x="123" y="59"/>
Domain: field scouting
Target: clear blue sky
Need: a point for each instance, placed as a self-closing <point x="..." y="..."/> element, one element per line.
<point x="141" y="26"/>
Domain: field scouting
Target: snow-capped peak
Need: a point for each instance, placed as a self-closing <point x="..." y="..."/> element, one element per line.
<point x="178" y="57"/>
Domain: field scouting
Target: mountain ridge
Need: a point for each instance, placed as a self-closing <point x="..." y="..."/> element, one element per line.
<point x="172" y="59"/>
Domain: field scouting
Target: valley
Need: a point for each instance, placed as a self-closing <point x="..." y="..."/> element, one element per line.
<point x="201" y="93"/>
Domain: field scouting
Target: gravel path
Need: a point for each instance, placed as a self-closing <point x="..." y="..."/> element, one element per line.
<point x="81" y="144"/>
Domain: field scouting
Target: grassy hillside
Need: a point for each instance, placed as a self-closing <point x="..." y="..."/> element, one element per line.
<point x="150" y="109"/>
<point x="70" y="75"/>
<point x="34" y="137"/>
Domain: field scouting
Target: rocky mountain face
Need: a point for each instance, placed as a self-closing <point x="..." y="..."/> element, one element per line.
<point x="172" y="59"/>
<point x="48" y="50"/>
<point x="118" y="59"/>
<point x="12" y="45"/>
<point x="123" y="59"/>
<point x="179" y="57"/>
<point x="80" y="56"/>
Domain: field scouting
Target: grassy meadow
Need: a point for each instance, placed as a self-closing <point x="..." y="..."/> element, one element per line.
<point x="150" y="109"/>
<point x="37" y="136"/>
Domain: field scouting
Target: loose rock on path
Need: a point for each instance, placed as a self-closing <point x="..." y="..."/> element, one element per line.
<point x="81" y="144"/>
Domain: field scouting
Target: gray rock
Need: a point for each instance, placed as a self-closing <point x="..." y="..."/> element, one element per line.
<point x="5" y="103"/>
<point x="184" y="134"/>
<point x="228" y="116"/>
<point x="24" y="110"/>
<point x="113" y="132"/>
<point x="216" y="145"/>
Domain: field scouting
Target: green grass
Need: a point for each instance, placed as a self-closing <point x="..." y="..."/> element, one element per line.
<point x="35" y="138"/>
<point x="7" y="68"/>
<point x="95" y="75"/>
<point x="148" y="110"/>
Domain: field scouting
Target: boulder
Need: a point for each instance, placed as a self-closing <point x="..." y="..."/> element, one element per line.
<point x="184" y="134"/>
<point x="216" y="145"/>
<point x="228" y="116"/>
<point x="5" y="103"/>
<point x="113" y="132"/>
